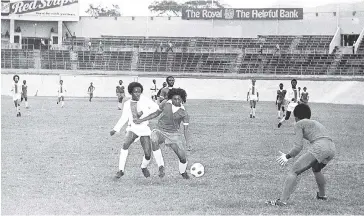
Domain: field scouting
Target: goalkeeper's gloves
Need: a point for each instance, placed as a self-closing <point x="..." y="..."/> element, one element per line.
<point x="282" y="160"/>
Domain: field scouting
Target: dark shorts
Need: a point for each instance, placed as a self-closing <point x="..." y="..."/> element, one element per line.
<point x="323" y="150"/>
<point x="168" y="138"/>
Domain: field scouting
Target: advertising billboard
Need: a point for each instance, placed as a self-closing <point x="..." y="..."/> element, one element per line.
<point x="243" y="14"/>
<point x="49" y="10"/>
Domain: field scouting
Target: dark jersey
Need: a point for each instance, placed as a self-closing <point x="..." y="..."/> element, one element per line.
<point x="24" y="89"/>
<point x="304" y="97"/>
<point x="172" y="117"/>
<point x="281" y="95"/>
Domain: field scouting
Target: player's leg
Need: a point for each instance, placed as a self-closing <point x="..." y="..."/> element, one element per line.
<point x="62" y="101"/>
<point x="279" y="105"/>
<point x="145" y="141"/>
<point x="286" y="118"/>
<point x="324" y="151"/>
<point x="18" y="101"/>
<point x="16" y="107"/>
<point x="283" y="109"/>
<point x="320" y="180"/>
<point x="120" y="103"/>
<point x="181" y="154"/>
<point x="303" y="163"/>
<point x="254" y="105"/>
<point x="129" y="139"/>
<point x="157" y="139"/>
<point x="26" y="101"/>
<point x="251" y="108"/>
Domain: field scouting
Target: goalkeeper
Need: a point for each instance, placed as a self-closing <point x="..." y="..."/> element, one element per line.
<point x="320" y="152"/>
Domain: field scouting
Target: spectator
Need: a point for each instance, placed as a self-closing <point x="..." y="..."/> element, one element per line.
<point x="100" y="46"/>
<point x="66" y="35"/>
<point x="18" y="29"/>
<point x="89" y="45"/>
<point x="277" y="48"/>
<point x="170" y="46"/>
<point x="52" y="30"/>
<point x="160" y="47"/>
<point x="7" y="35"/>
<point x="261" y="49"/>
<point x="354" y="47"/>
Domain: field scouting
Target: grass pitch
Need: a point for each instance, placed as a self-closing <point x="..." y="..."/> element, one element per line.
<point x="63" y="161"/>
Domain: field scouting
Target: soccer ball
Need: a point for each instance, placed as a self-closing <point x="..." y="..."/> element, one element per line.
<point x="197" y="170"/>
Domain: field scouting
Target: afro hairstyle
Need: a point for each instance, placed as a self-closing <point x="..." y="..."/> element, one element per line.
<point x="16" y="76"/>
<point x="133" y="85"/>
<point x="177" y="91"/>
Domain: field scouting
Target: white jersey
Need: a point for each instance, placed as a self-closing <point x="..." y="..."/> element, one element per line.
<point x="293" y="97"/>
<point x="145" y="105"/>
<point x="16" y="90"/>
<point x="61" y="90"/>
<point x="253" y="92"/>
<point x="154" y="90"/>
<point x="293" y="94"/>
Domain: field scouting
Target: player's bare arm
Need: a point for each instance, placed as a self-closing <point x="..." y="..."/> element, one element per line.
<point x="149" y="117"/>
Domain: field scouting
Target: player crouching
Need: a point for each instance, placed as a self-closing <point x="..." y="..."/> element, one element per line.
<point x="172" y="113"/>
<point x="16" y="89"/>
<point x="134" y="108"/>
<point x="320" y="152"/>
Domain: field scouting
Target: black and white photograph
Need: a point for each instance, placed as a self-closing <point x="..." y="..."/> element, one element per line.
<point x="182" y="107"/>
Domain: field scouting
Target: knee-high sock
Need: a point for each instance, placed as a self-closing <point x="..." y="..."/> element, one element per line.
<point x="158" y="157"/>
<point x="145" y="163"/>
<point x="122" y="160"/>
<point x="253" y="111"/>
<point x="182" y="167"/>
<point x="62" y="103"/>
<point x="279" y="113"/>
<point x="26" y="103"/>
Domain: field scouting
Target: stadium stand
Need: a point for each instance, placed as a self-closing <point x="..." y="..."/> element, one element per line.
<point x="306" y="54"/>
<point x="351" y="65"/>
<point x="108" y="60"/>
<point x="314" y="43"/>
<point x="17" y="58"/>
<point x="55" y="59"/>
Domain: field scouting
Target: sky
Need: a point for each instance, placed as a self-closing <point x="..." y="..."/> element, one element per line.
<point x="140" y="7"/>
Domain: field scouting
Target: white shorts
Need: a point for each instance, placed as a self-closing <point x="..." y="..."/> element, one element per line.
<point x="253" y="97"/>
<point x="291" y="106"/>
<point x="16" y="97"/>
<point x="139" y="130"/>
<point x="60" y="94"/>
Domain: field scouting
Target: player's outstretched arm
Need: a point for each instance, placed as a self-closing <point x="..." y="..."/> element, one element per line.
<point x="123" y="119"/>
<point x="298" y="142"/>
<point x="149" y="117"/>
<point x="257" y="96"/>
<point x="247" y="97"/>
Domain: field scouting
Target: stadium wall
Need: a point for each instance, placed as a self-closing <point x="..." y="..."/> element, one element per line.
<point x="339" y="92"/>
<point x="324" y="24"/>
